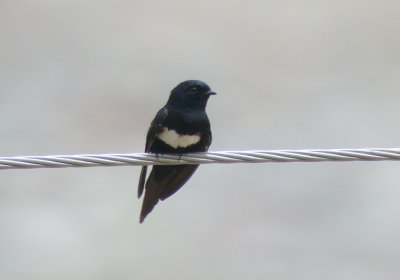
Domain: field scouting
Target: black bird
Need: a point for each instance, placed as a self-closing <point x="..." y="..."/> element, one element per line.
<point x="181" y="126"/>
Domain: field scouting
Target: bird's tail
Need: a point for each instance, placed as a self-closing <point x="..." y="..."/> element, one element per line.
<point x="142" y="180"/>
<point x="162" y="183"/>
<point x="151" y="196"/>
<point x="150" y="200"/>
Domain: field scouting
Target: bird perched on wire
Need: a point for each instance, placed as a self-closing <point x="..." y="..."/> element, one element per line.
<point x="181" y="126"/>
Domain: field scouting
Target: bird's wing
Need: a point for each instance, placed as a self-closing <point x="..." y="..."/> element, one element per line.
<point x="180" y="176"/>
<point x="163" y="182"/>
<point x="155" y="128"/>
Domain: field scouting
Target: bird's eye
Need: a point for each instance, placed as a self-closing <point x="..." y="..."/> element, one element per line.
<point x="193" y="89"/>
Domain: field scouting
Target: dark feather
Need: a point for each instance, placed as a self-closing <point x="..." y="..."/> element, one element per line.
<point x="181" y="174"/>
<point x="142" y="180"/>
<point x="184" y="114"/>
<point x="151" y="196"/>
<point x="154" y="130"/>
<point x="163" y="182"/>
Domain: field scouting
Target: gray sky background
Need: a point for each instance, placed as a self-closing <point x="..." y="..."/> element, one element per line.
<point x="89" y="76"/>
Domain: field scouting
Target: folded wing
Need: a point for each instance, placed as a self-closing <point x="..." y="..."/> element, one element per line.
<point x="163" y="182"/>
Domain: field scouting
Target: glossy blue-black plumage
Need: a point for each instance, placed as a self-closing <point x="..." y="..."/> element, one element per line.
<point x="185" y="114"/>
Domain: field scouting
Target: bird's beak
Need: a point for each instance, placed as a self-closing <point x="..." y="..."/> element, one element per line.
<point x="211" y="93"/>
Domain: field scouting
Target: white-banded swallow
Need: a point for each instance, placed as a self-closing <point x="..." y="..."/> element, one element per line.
<point x="180" y="127"/>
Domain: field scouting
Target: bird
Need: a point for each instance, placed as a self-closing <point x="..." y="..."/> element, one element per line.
<point x="180" y="127"/>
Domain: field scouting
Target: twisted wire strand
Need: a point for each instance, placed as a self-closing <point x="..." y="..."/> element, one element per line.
<point x="137" y="159"/>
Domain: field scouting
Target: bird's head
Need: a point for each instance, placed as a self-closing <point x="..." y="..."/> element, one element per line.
<point x="191" y="94"/>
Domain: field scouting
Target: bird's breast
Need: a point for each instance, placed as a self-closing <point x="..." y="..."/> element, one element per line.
<point x="176" y="140"/>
